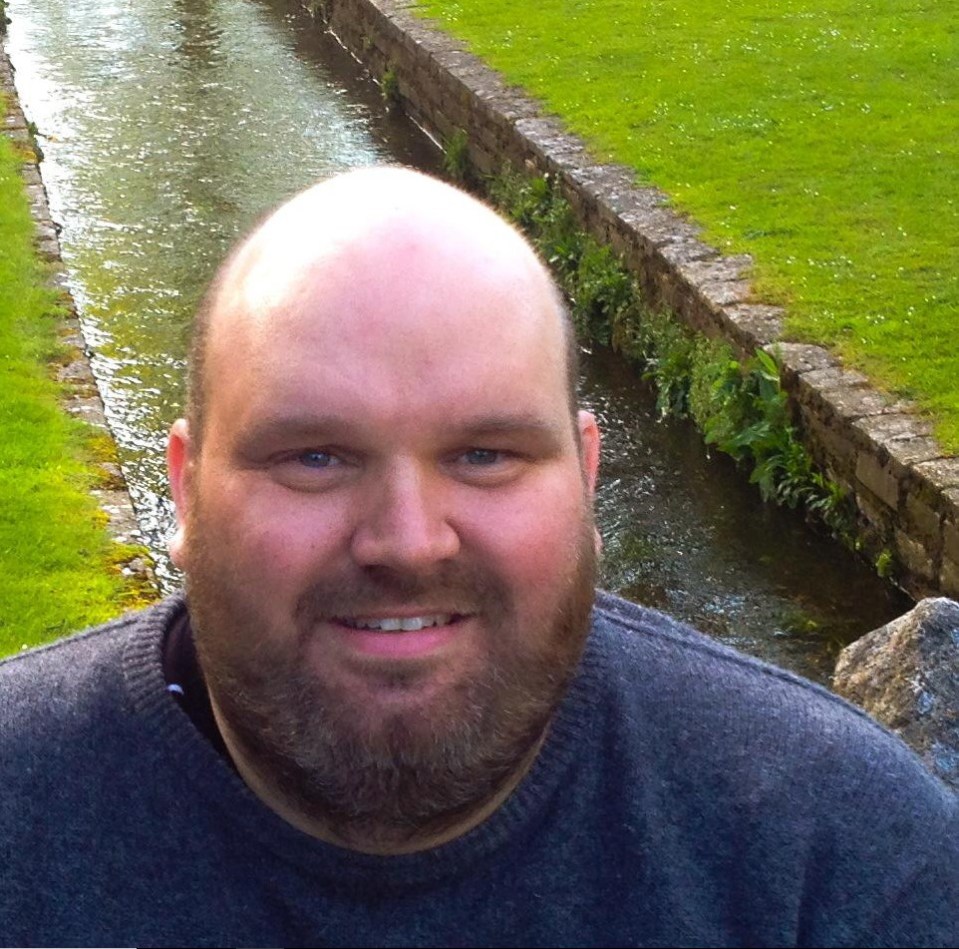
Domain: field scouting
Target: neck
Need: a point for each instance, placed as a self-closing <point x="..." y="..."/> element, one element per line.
<point x="369" y="835"/>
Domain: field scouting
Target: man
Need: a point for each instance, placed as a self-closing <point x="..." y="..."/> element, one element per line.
<point x="388" y="712"/>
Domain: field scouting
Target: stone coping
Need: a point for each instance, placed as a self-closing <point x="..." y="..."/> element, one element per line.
<point x="877" y="447"/>
<point x="81" y="396"/>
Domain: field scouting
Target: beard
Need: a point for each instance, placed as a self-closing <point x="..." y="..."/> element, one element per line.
<point x="384" y="778"/>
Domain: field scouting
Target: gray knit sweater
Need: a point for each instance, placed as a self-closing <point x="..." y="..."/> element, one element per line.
<point x="686" y="796"/>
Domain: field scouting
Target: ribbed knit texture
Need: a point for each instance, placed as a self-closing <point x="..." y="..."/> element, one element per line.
<point x="685" y="796"/>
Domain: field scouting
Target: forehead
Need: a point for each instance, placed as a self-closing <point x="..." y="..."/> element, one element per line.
<point x="401" y="332"/>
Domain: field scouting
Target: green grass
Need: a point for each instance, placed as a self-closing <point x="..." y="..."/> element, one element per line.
<point x="58" y="567"/>
<point x="822" y="138"/>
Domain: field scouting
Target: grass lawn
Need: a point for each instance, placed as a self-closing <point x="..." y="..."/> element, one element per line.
<point x="822" y="138"/>
<point x="57" y="563"/>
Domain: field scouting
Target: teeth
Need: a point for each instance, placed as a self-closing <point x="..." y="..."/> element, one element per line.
<point x="392" y="624"/>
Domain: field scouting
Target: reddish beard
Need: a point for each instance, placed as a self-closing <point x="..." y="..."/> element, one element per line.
<point x="389" y="778"/>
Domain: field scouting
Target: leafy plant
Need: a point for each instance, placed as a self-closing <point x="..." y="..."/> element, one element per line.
<point x="318" y="9"/>
<point x="600" y="291"/>
<point x="885" y="562"/>
<point x="390" y="88"/>
<point x="456" y="162"/>
<point x="739" y="407"/>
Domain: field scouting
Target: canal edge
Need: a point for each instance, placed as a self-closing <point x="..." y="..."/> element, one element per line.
<point x="875" y="446"/>
<point x="80" y="396"/>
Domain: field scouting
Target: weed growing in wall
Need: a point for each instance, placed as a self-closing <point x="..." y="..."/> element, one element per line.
<point x="601" y="292"/>
<point x="317" y="9"/>
<point x="456" y="163"/>
<point x="739" y="407"/>
<point x="390" y="88"/>
<point x="885" y="562"/>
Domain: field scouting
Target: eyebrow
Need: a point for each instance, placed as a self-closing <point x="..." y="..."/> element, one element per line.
<point x="520" y="423"/>
<point x="336" y="427"/>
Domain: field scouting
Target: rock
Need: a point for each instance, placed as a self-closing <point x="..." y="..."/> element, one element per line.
<point x="906" y="675"/>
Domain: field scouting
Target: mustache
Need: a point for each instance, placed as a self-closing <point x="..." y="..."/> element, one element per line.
<point x="451" y="588"/>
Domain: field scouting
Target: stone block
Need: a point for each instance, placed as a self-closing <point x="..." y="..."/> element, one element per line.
<point x="917" y="561"/>
<point x="31" y="173"/>
<point x="759" y="325"/>
<point x="950" y="540"/>
<point x="797" y="358"/>
<point x="895" y="426"/>
<point x="941" y="473"/>
<point x="830" y="447"/>
<point x="925" y="523"/>
<point x="834" y="377"/>
<point x="876" y="513"/>
<point x="855" y="401"/>
<point x="656" y="225"/>
<point x="48" y="248"/>
<point x="718" y="295"/>
<point x="949" y="577"/>
<point x="717" y="269"/>
<point x="877" y="477"/>
<point x="685" y="249"/>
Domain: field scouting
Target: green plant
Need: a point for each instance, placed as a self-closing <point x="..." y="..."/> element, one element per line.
<point x="456" y="163"/>
<point x="318" y="9"/>
<point x="739" y="407"/>
<point x="600" y="291"/>
<point x="885" y="562"/>
<point x="390" y="88"/>
<point x="34" y="134"/>
<point x="798" y="622"/>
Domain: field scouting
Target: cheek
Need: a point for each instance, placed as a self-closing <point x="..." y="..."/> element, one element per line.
<point x="266" y="538"/>
<point x="534" y="539"/>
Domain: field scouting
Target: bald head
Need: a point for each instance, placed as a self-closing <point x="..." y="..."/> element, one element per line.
<point x="384" y="509"/>
<point x="387" y="243"/>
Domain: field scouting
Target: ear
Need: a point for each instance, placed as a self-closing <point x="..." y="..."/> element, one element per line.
<point x="589" y="450"/>
<point x="179" y="459"/>
<point x="589" y="442"/>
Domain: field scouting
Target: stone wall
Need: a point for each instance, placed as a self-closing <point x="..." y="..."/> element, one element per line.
<point x="905" y="487"/>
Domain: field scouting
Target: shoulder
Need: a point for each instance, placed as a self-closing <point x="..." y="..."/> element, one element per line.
<point x="735" y="714"/>
<point x="50" y="691"/>
<point x="79" y="719"/>
<point x="768" y="778"/>
<point x="673" y="653"/>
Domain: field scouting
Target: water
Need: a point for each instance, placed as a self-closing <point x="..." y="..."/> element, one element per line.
<point x="170" y="126"/>
<point x="685" y="532"/>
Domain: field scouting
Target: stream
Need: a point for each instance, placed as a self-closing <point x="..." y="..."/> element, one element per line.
<point x="169" y="127"/>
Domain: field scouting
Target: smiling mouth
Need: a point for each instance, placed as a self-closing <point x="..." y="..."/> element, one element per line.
<point x="398" y="624"/>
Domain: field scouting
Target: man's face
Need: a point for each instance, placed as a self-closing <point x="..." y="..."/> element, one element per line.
<point x="387" y="534"/>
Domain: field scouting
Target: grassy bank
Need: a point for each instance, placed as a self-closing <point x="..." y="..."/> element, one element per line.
<point x="820" y="138"/>
<point x="58" y="567"/>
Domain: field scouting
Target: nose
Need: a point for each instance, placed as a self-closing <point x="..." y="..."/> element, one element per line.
<point x="404" y="524"/>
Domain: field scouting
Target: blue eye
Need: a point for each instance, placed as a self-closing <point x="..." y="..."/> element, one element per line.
<point x="482" y="456"/>
<point x="317" y="459"/>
